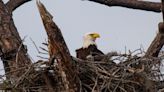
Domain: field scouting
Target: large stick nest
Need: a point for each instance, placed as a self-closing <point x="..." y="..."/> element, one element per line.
<point x="133" y="73"/>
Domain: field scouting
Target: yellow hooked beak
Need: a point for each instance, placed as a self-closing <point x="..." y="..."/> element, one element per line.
<point x="95" y="35"/>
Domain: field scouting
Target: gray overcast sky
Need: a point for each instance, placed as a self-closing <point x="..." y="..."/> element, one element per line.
<point x="118" y="26"/>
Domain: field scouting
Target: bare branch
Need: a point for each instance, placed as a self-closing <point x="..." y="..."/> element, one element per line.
<point x="157" y="43"/>
<point x="13" y="4"/>
<point x="162" y="9"/>
<point x="134" y="4"/>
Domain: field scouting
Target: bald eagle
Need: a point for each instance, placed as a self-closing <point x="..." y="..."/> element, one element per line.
<point x="89" y="46"/>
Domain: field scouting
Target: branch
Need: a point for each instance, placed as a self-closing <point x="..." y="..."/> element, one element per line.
<point x="134" y="4"/>
<point x="162" y="9"/>
<point x="58" y="51"/>
<point x="13" y="4"/>
<point x="157" y="43"/>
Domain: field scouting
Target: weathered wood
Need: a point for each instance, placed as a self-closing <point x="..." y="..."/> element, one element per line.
<point x="157" y="43"/>
<point x="12" y="51"/>
<point x="134" y="4"/>
<point x="58" y="50"/>
<point x="162" y="1"/>
<point x="13" y="4"/>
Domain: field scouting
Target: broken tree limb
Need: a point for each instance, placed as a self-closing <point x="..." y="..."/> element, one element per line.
<point x="157" y="43"/>
<point x="13" y="4"/>
<point x="58" y="51"/>
<point x="134" y="4"/>
<point x="12" y="51"/>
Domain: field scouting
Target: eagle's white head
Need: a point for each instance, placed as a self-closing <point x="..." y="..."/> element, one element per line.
<point x="89" y="39"/>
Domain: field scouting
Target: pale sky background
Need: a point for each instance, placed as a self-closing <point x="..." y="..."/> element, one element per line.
<point x="119" y="27"/>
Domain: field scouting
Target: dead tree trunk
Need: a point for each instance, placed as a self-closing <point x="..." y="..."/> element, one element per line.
<point x="12" y="51"/>
<point x="58" y="51"/>
<point x="134" y="4"/>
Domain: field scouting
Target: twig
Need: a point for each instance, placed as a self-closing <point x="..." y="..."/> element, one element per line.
<point x="93" y="89"/>
<point x="43" y="57"/>
<point x="17" y="54"/>
<point x="44" y="50"/>
<point x="35" y="45"/>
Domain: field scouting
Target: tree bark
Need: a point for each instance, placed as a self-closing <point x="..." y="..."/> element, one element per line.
<point x="12" y="51"/>
<point x="134" y="4"/>
<point x="59" y="51"/>
<point x="157" y="43"/>
<point x="162" y="8"/>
